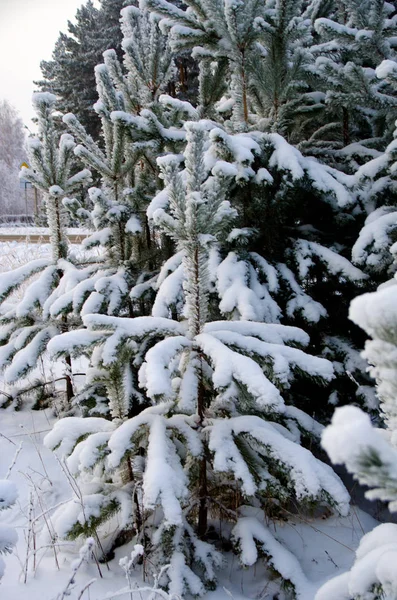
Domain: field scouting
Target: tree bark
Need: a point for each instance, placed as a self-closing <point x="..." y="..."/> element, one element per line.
<point x="203" y="483"/>
<point x="69" y="383"/>
<point x="346" y="133"/>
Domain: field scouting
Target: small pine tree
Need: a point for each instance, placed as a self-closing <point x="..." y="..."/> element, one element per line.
<point x="215" y="385"/>
<point x="28" y="325"/>
<point x="138" y="123"/>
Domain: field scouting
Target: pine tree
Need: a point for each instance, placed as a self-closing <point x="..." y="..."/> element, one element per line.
<point x="70" y="73"/>
<point x="215" y="320"/>
<point x="138" y="123"/>
<point x="257" y="44"/>
<point x="215" y="385"/>
<point x="27" y="326"/>
<point x="352" y="41"/>
<point x="376" y="192"/>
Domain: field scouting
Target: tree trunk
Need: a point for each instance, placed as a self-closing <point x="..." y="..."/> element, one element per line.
<point x="346" y="134"/>
<point x="244" y="89"/>
<point x="203" y="484"/>
<point x="69" y="383"/>
<point x="68" y="361"/>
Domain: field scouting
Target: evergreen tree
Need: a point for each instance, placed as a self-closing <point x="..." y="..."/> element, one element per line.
<point x="217" y="387"/>
<point x="70" y="73"/>
<point x="376" y="192"/>
<point x="133" y="139"/>
<point x="222" y="247"/>
<point x="352" y="41"/>
<point x="27" y="326"/>
<point x="370" y="453"/>
<point x="257" y="43"/>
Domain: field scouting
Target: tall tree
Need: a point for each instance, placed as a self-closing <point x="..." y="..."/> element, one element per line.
<point x="70" y="73"/>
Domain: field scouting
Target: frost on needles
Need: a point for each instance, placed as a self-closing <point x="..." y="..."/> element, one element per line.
<point x="218" y="438"/>
<point x="27" y="326"/>
<point x="230" y="236"/>
<point x="369" y="452"/>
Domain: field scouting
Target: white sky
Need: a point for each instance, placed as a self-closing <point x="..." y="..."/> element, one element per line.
<point x="28" y="32"/>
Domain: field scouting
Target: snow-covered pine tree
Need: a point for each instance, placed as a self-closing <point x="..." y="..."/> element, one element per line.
<point x="210" y="345"/>
<point x="301" y="232"/>
<point x="138" y="124"/>
<point x="295" y="271"/>
<point x="28" y="325"/>
<point x="218" y="438"/>
<point x="370" y="453"/>
<point x="352" y="41"/>
<point x="263" y="48"/>
<point x="377" y="196"/>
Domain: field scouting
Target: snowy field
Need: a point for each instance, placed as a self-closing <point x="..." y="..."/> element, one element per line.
<point x="41" y="570"/>
<point x="16" y="254"/>
<point x="34" y="572"/>
<point x="32" y="230"/>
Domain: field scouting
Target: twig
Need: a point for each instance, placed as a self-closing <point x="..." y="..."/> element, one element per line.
<point x="8" y="439"/>
<point x="26" y="566"/>
<point x="14" y="460"/>
<point x="38" y="451"/>
<point x="48" y="522"/>
<point x="319" y="530"/>
<point x="87" y="585"/>
<point x="84" y="553"/>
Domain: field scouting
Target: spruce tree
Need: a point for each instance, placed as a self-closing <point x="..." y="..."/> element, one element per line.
<point x="70" y="73"/>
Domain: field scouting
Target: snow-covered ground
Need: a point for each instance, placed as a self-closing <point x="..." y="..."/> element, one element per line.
<point x="33" y="230"/>
<point x="16" y="254"/>
<point x="325" y="547"/>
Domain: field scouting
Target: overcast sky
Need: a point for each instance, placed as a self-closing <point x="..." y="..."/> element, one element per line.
<point x="28" y="32"/>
